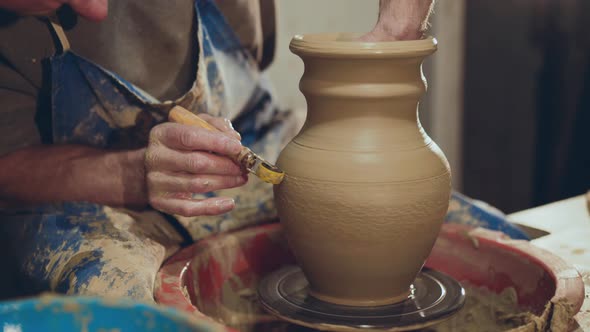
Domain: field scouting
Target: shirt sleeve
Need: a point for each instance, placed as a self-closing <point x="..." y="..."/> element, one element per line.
<point x="18" y="111"/>
<point x="24" y="46"/>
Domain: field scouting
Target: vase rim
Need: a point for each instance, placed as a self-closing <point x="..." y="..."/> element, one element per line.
<point x="347" y="45"/>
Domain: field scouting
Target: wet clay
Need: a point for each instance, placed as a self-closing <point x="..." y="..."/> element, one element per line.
<point x="366" y="189"/>
<point x="484" y="311"/>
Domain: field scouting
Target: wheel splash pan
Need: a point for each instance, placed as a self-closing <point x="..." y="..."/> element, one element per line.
<point x="217" y="277"/>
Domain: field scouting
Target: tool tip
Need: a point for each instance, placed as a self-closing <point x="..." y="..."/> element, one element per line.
<point x="270" y="173"/>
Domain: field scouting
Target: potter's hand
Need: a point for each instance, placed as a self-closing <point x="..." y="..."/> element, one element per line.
<point x="181" y="160"/>
<point x="95" y="10"/>
<point x="400" y="20"/>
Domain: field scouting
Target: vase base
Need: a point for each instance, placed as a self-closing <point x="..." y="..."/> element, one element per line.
<point x="434" y="298"/>
<point x="371" y="303"/>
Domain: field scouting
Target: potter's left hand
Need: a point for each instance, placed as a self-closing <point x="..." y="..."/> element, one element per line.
<point x="400" y="20"/>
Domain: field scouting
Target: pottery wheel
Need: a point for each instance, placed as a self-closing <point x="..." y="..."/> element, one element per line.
<point x="435" y="297"/>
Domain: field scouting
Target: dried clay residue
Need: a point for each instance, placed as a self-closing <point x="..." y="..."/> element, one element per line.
<point x="483" y="311"/>
<point x="486" y="311"/>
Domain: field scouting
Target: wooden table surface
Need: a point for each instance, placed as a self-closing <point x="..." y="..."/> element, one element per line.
<point x="567" y="227"/>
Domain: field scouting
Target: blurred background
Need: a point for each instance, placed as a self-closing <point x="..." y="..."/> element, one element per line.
<point x="509" y="90"/>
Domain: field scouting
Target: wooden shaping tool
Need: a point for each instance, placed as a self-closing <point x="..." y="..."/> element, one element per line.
<point x="264" y="170"/>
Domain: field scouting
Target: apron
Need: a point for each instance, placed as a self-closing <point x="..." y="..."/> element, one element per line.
<point x="86" y="248"/>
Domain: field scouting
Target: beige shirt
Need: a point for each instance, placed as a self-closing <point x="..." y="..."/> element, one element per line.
<point x="151" y="43"/>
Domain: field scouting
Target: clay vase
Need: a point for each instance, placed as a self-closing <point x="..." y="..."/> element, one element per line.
<point x="366" y="189"/>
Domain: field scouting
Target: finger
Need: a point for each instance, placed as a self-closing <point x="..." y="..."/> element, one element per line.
<point x="191" y="208"/>
<point x="222" y="124"/>
<point x="95" y="10"/>
<point x="191" y="162"/>
<point x="191" y="138"/>
<point x="187" y="183"/>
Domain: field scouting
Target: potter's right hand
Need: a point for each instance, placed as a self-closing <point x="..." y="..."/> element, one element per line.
<point x="181" y="160"/>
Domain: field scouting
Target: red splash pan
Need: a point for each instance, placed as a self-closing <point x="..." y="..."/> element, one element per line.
<point x="216" y="278"/>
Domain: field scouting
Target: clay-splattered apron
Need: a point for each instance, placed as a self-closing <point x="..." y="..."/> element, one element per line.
<point x="85" y="248"/>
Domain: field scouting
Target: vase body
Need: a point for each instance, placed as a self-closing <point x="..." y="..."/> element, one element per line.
<point x="366" y="189"/>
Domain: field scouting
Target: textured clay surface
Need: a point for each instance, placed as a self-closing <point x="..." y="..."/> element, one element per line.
<point x="366" y="189"/>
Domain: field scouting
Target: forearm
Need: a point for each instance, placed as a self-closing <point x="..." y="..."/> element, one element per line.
<point x="401" y="20"/>
<point x="58" y="173"/>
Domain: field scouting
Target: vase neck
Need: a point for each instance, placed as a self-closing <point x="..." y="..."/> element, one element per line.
<point x="363" y="78"/>
<point x="364" y="104"/>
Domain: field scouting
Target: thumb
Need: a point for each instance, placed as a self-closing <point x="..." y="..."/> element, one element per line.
<point x="94" y="10"/>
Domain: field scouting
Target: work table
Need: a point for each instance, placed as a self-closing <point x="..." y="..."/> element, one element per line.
<point x="563" y="228"/>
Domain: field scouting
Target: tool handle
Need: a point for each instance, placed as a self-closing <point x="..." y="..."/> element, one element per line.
<point x="181" y="115"/>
